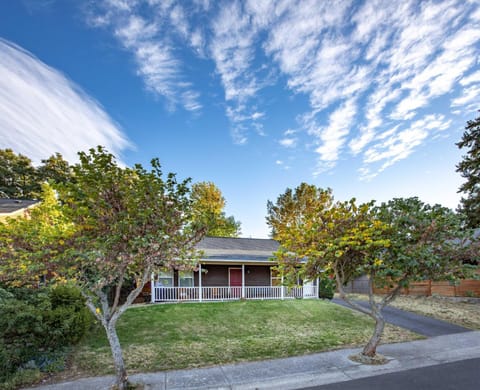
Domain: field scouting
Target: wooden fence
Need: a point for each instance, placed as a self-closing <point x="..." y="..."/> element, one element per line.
<point x="465" y="288"/>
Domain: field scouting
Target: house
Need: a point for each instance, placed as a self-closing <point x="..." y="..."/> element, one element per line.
<point x="10" y="208"/>
<point x="229" y="269"/>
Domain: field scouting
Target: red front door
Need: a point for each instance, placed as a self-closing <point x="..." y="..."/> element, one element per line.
<point x="235" y="277"/>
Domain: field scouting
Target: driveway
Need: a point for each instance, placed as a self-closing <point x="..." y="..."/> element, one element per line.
<point x="425" y="326"/>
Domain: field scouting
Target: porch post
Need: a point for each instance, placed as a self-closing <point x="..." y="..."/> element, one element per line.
<point x="282" y="290"/>
<point x="152" y="288"/>
<point x="200" y="282"/>
<point x="243" y="280"/>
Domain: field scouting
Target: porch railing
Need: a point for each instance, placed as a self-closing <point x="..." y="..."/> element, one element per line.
<point x="174" y="294"/>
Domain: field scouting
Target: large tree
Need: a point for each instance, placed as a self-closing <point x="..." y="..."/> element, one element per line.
<point x="18" y="177"/>
<point x="125" y="224"/>
<point x="469" y="168"/>
<point x="208" y="206"/>
<point x="399" y="242"/>
<point x="55" y="169"/>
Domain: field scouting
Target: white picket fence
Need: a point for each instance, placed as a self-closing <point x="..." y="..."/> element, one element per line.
<point x="209" y="294"/>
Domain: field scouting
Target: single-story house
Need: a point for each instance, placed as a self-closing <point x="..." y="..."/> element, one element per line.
<point x="10" y="208"/>
<point x="230" y="269"/>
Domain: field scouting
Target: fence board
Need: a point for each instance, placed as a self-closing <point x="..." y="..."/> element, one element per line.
<point x="465" y="288"/>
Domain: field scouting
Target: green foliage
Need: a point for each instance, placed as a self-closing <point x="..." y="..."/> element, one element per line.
<point x="401" y="241"/>
<point x="55" y="169"/>
<point x="17" y="176"/>
<point x="110" y="226"/>
<point x="127" y="221"/>
<point x="208" y="211"/>
<point x="469" y="168"/>
<point x="326" y="287"/>
<point x="342" y="238"/>
<point x="426" y="242"/>
<point x="30" y="244"/>
<point x="37" y="325"/>
<point x="20" y="179"/>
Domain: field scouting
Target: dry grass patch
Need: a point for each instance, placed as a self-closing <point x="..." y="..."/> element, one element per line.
<point x="454" y="310"/>
<point x="457" y="312"/>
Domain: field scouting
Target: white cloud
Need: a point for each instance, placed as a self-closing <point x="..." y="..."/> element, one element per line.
<point x="288" y="142"/>
<point x="43" y="112"/>
<point x="147" y="37"/>
<point x="367" y="69"/>
<point x="469" y="95"/>
<point x="333" y="136"/>
<point x="396" y="145"/>
<point x="470" y="79"/>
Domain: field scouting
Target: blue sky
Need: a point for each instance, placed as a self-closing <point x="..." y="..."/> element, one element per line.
<point x="367" y="98"/>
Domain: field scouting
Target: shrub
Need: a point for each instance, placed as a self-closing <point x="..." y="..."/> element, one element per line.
<point x="38" y="324"/>
<point x="69" y="316"/>
<point x="326" y="288"/>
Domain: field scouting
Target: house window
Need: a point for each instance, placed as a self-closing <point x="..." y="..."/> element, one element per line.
<point x="275" y="278"/>
<point x="165" y="279"/>
<point x="185" y="279"/>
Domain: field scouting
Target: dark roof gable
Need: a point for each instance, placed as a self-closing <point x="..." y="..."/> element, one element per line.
<point x="8" y="206"/>
<point x="244" y="244"/>
<point x="237" y="249"/>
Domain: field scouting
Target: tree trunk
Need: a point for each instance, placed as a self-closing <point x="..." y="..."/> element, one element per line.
<point x="371" y="347"/>
<point x="122" y="378"/>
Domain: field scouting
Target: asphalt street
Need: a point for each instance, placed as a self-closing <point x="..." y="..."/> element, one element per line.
<point x="426" y="326"/>
<point x="464" y="375"/>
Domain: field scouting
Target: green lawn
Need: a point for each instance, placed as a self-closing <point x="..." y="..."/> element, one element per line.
<point x="173" y="336"/>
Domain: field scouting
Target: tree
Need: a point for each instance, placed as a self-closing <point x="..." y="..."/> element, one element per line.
<point x="56" y="169"/>
<point x="469" y="168"/>
<point x="399" y="242"/>
<point x="208" y="204"/>
<point x="30" y="244"/>
<point x="128" y="222"/>
<point x="17" y="176"/>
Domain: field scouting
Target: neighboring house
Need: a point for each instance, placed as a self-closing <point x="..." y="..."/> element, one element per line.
<point x="10" y="208"/>
<point x="230" y="269"/>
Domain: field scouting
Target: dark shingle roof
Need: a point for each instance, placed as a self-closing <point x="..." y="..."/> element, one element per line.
<point x="238" y="249"/>
<point x="8" y="206"/>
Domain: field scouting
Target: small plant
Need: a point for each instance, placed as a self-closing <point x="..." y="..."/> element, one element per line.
<point x="326" y="288"/>
<point x="470" y="294"/>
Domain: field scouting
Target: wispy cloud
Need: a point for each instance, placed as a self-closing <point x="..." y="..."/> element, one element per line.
<point x="470" y="96"/>
<point x="366" y="68"/>
<point x="333" y="136"/>
<point x="396" y="144"/>
<point x="148" y="37"/>
<point x="43" y="112"/>
<point x="232" y="48"/>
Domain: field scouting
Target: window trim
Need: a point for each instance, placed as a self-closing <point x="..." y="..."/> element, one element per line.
<point x="166" y="275"/>
<point x="188" y="277"/>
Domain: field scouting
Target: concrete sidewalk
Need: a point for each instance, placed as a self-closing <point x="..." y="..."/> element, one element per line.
<point x="303" y="371"/>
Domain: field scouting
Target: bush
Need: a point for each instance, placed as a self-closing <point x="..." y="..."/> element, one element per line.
<point x="326" y="288"/>
<point x="38" y="324"/>
<point x="69" y="316"/>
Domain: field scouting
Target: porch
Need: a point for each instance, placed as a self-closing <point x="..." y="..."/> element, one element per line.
<point x="226" y="282"/>
<point x="230" y="269"/>
<point x="211" y="294"/>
